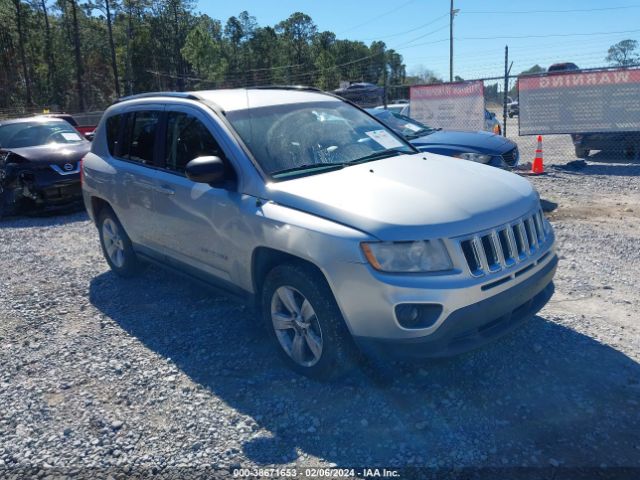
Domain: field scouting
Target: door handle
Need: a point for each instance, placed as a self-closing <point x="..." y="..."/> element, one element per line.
<point x="165" y="190"/>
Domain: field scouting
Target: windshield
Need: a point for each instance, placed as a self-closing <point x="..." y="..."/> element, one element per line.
<point x="305" y="138"/>
<point x="31" y="134"/>
<point x="405" y="126"/>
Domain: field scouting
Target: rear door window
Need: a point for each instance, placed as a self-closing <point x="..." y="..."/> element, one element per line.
<point x="141" y="136"/>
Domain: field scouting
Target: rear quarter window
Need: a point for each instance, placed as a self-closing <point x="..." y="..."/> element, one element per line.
<point x="114" y="128"/>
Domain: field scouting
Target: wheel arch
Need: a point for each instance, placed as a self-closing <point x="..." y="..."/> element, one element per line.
<point x="264" y="259"/>
<point x="97" y="205"/>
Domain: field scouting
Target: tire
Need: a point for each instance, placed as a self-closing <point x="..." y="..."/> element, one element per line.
<point x="295" y="286"/>
<point x="116" y="245"/>
<point x="629" y="152"/>
<point x="582" y="152"/>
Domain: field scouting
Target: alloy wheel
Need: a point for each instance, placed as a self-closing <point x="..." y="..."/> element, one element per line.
<point x="113" y="242"/>
<point x="296" y="326"/>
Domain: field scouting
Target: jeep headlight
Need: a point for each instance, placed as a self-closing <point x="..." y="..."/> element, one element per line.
<point x="418" y="256"/>
<point x="474" y="157"/>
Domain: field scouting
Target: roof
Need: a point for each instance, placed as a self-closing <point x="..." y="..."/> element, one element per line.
<point x="37" y="118"/>
<point x="243" y="98"/>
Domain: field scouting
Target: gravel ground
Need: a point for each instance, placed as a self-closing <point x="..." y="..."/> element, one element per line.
<point x="155" y="374"/>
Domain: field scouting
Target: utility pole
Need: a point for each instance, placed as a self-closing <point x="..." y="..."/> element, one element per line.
<point x="452" y="13"/>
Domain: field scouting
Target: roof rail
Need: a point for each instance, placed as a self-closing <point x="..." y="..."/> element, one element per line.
<point x="185" y="95"/>
<point x="284" y="87"/>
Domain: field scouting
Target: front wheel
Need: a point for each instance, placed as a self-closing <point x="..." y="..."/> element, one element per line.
<point x="303" y="318"/>
<point x="116" y="245"/>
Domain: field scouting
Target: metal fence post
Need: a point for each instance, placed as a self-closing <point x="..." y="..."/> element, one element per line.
<point x="506" y="90"/>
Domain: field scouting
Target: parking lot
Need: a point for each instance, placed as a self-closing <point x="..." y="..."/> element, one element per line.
<point x="156" y="373"/>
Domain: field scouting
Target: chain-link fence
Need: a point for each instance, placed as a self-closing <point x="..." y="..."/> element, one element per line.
<point x="581" y="113"/>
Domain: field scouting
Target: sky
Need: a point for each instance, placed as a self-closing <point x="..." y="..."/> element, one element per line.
<point x="419" y="29"/>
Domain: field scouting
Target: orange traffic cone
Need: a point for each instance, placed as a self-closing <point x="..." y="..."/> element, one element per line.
<point x="537" y="167"/>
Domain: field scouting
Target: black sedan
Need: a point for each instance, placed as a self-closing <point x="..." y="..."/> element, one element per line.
<point x="39" y="163"/>
<point x="482" y="147"/>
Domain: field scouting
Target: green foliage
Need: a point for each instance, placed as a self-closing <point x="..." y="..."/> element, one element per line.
<point x="535" y="69"/>
<point x="73" y="62"/>
<point x="623" y="53"/>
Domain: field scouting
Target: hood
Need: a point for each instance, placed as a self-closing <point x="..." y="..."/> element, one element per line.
<point x="53" y="153"/>
<point x="411" y="197"/>
<point x="459" y="141"/>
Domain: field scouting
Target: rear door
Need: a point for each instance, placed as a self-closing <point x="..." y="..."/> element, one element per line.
<point x="136" y="161"/>
<point x="198" y="220"/>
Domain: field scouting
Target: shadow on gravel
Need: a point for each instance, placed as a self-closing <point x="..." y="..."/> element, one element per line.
<point x="45" y="219"/>
<point x="603" y="163"/>
<point x="545" y="389"/>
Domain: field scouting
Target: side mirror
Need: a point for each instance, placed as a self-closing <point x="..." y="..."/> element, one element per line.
<point x="209" y="170"/>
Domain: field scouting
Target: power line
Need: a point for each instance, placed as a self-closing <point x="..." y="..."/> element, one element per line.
<point x="551" y="35"/>
<point x="408" y="42"/>
<point x="398" y="34"/>
<point x="575" y="10"/>
<point x="367" y="22"/>
<point x="526" y="36"/>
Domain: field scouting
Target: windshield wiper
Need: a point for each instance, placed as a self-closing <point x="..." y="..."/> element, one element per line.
<point x="422" y="133"/>
<point x="389" y="152"/>
<point x="309" y="166"/>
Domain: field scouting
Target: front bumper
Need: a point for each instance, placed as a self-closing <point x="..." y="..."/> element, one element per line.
<point x="41" y="184"/>
<point x="476" y="324"/>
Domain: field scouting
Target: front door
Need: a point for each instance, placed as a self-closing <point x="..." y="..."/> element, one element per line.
<point x="199" y="220"/>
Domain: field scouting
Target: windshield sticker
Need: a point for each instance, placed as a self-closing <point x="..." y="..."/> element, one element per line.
<point x="384" y="138"/>
<point x="71" y="136"/>
<point x="412" y="127"/>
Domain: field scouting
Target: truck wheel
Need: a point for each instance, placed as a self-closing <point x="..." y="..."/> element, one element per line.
<point x="629" y="152"/>
<point x="116" y="245"/>
<point x="582" y="152"/>
<point x="303" y="318"/>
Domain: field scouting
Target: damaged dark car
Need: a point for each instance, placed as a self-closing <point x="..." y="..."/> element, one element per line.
<point x="39" y="164"/>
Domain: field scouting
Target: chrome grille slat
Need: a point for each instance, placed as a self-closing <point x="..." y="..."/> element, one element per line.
<point x="534" y="236"/>
<point x="523" y="238"/>
<point x="479" y="250"/>
<point x="539" y="227"/>
<point x="497" y="247"/>
<point x="512" y="243"/>
<point x="503" y="247"/>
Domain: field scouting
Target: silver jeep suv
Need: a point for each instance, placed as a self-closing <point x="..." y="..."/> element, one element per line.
<point x="339" y="230"/>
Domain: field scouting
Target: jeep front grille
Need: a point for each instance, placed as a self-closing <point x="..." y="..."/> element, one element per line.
<point x="502" y="247"/>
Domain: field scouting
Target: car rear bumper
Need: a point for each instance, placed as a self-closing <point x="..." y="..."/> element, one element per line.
<point x="474" y="325"/>
<point x="606" y="141"/>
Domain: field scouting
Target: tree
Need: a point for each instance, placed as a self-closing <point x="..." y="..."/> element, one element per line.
<point x="422" y="75"/>
<point x="108" y="7"/>
<point x="623" y="53"/>
<point x="298" y="31"/>
<point x="82" y="54"/>
<point x="535" y="69"/>
<point x="513" y="92"/>
<point x="202" y="49"/>
<point x="21" y="44"/>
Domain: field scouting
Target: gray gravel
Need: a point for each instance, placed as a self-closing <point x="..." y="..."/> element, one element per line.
<point x="157" y="374"/>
